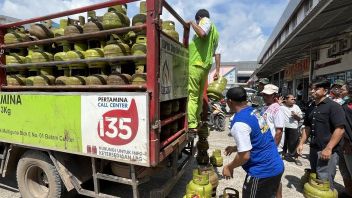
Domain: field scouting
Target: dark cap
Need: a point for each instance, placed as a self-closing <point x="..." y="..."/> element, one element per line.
<point x="321" y="83"/>
<point x="237" y="94"/>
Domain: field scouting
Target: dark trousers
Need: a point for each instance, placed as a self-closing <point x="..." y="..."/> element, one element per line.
<point x="291" y="141"/>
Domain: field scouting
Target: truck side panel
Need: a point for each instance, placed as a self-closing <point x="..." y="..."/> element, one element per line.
<point x="113" y="126"/>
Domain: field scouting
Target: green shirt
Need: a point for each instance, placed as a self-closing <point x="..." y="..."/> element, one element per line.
<point x="201" y="50"/>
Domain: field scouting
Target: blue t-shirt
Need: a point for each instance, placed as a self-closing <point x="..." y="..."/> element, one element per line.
<point x="264" y="160"/>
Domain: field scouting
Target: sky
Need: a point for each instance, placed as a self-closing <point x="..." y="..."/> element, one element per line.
<point x="244" y="25"/>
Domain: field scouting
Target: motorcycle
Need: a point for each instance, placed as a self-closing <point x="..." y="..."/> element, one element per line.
<point x="216" y="116"/>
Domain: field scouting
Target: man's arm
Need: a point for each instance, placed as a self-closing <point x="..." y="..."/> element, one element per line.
<point x="240" y="159"/>
<point x="230" y="149"/>
<point x="199" y="31"/>
<point x="334" y="140"/>
<point x="278" y="135"/>
<point x="305" y="135"/>
<point x="298" y="114"/>
<point x="296" y="117"/>
<point x="217" y="64"/>
<point x="279" y="123"/>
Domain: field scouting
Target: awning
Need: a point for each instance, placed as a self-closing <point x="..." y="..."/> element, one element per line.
<point x="327" y="20"/>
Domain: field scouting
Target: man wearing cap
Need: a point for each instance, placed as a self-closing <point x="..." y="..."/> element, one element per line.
<point x="335" y="91"/>
<point x="201" y="51"/>
<point x="274" y="116"/>
<point x="261" y="83"/>
<point x="255" y="147"/>
<point x="324" y="123"/>
<point x="257" y="100"/>
<point x="273" y="113"/>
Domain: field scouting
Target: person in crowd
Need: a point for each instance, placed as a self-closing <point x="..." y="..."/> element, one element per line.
<point x="255" y="147"/>
<point x="273" y="113"/>
<point x="201" y="51"/>
<point x="274" y="116"/>
<point x="261" y="83"/>
<point x="345" y="161"/>
<point x="293" y="115"/>
<point x="257" y="99"/>
<point x="335" y="91"/>
<point x="324" y="122"/>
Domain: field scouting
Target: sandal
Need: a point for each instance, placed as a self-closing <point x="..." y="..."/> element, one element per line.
<point x="298" y="162"/>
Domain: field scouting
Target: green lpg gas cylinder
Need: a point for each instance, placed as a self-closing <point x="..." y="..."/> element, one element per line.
<point x="216" y="88"/>
<point x="61" y="30"/>
<point x="316" y="188"/>
<point x="118" y="79"/>
<point x="140" y="48"/>
<point x="216" y="159"/>
<point x="115" y="48"/>
<point x="166" y="109"/>
<point x="203" y="132"/>
<point x="139" y="79"/>
<point x="170" y="29"/>
<point x="15" y="36"/>
<point x="199" y="185"/>
<point x="41" y="31"/>
<point x="114" y="19"/>
<point x="75" y="55"/>
<point x="92" y="54"/>
<point x="202" y="144"/>
<point x="213" y="177"/>
<point x="175" y="106"/>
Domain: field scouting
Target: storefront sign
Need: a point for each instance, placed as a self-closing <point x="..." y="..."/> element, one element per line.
<point x="334" y="62"/>
<point x="299" y="68"/>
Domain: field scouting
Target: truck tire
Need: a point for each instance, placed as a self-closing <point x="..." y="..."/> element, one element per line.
<point x="37" y="177"/>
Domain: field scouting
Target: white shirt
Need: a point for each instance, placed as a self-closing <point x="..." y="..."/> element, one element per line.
<point x="241" y="133"/>
<point x="290" y="122"/>
<point x="205" y="24"/>
<point x="275" y="118"/>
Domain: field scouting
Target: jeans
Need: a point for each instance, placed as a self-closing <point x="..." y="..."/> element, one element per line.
<point x="325" y="169"/>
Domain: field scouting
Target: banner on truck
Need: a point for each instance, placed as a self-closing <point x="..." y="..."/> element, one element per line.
<point x="110" y="125"/>
<point x="173" y="69"/>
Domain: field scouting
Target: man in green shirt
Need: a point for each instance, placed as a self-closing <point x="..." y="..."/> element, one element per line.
<point x="203" y="47"/>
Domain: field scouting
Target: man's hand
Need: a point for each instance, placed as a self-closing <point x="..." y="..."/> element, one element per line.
<point x="227" y="172"/>
<point x="216" y="76"/>
<point x="326" y="154"/>
<point x="300" y="149"/>
<point x="229" y="150"/>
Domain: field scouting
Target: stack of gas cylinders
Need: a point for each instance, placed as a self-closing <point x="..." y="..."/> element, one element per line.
<point x="87" y="73"/>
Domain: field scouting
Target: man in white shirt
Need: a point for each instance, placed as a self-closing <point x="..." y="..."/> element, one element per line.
<point x="275" y="118"/>
<point x="273" y="113"/>
<point x="293" y="115"/>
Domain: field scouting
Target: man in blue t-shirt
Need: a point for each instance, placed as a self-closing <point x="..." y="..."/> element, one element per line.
<point x="256" y="149"/>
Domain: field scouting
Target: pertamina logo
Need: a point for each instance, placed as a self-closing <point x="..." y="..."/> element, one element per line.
<point x="119" y="127"/>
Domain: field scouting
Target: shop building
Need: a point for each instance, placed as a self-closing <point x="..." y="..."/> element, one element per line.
<point x="312" y="39"/>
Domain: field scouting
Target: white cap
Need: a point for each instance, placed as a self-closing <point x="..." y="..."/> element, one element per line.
<point x="270" y="89"/>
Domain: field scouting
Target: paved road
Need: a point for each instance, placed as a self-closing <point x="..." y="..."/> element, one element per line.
<point x="217" y="140"/>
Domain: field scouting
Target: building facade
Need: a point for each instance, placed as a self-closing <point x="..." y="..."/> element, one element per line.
<point x="311" y="40"/>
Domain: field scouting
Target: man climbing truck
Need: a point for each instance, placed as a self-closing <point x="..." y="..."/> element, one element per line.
<point x="86" y="103"/>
